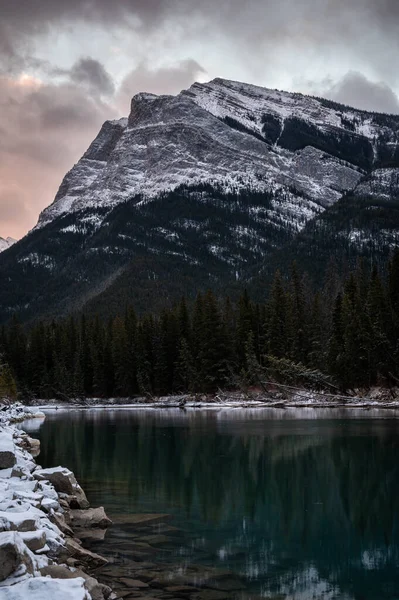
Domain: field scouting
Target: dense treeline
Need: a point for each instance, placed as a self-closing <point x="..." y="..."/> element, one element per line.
<point x="342" y="337"/>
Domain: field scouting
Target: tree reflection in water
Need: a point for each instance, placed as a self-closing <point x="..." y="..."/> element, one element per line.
<point x="302" y="502"/>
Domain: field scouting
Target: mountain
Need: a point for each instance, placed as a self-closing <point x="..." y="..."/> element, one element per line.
<point x="204" y="189"/>
<point x="6" y="243"/>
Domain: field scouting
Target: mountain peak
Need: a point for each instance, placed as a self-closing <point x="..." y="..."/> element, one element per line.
<point x="207" y="184"/>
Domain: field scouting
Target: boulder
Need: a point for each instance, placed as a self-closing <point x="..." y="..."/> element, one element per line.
<point x="57" y="572"/>
<point x="92" y="536"/>
<point x="7" y="451"/>
<point x="92" y="517"/>
<point x="97" y="590"/>
<point x="21" y="521"/>
<point x="14" y="555"/>
<point x="64" y="481"/>
<point x="87" y="558"/>
<point x="59" y="520"/>
<point x="134" y="583"/>
<point x="5" y="524"/>
<point x="35" y="540"/>
<point x="72" y="501"/>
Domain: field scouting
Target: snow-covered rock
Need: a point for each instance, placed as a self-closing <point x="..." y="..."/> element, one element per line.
<point x="64" y="481"/>
<point x="7" y="451"/>
<point x="14" y="557"/>
<point x="92" y="517"/>
<point x="33" y="528"/>
<point x="44" y="588"/>
<point x="6" y="243"/>
<point x="169" y="141"/>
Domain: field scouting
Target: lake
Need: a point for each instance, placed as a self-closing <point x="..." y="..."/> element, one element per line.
<point x="279" y="503"/>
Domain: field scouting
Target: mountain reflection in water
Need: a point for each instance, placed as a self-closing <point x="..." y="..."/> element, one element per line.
<point x="303" y="503"/>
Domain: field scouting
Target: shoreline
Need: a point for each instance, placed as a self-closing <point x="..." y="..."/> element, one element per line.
<point x="44" y="513"/>
<point x="366" y="405"/>
<point x="377" y="397"/>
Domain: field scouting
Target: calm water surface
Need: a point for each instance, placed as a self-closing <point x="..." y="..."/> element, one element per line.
<point x="302" y="503"/>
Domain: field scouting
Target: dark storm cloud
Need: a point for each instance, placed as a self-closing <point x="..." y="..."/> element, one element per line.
<point x="92" y="73"/>
<point x="356" y="90"/>
<point x="165" y="80"/>
<point x="312" y="18"/>
<point x="44" y="129"/>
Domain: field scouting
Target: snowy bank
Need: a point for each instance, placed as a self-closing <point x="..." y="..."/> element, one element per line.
<point x="40" y="555"/>
<point x="280" y="397"/>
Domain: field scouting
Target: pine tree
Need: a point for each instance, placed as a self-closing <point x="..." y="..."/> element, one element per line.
<point x="278" y="333"/>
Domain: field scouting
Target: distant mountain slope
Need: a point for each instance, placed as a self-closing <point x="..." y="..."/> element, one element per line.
<point x="6" y="243"/>
<point x="206" y="188"/>
<point x="363" y="223"/>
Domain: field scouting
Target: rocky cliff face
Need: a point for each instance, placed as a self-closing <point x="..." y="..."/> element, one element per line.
<point x="206" y="185"/>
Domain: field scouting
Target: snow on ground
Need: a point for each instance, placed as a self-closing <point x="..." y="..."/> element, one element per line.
<point x="44" y="588"/>
<point x="28" y="538"/>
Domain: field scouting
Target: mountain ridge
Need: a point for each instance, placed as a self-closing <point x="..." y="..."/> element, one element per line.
<point x="203" y="187"/>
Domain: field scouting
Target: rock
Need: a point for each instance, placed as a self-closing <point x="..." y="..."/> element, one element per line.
<point x="63" y="503"/>
<point x="21" y="521"/>
<point x="5" y="524"/>
<point x="140" y="519"/>
<point x="7" y="451"/>
<point x="90" y="559"/>
<point x="136" y="583"/>
<point x="90" y="535"/>
<point x="35" y="540"/>
<point x="57" y="572"/>
<point x="92" y="517"/>
<point x="14" y="556"/>
<point x="32" y="445"/>
<point x="154" y="540"/>
<point x="181" y="590"/>
<point x="164" y="528"/>
<point x="18" y="471"/>
<point x="64" y="481"/>
<point x="73" y="501"/>
<point x="147" y="576"/>
<point x="226" y="585"/>
<point x="163" y="582"/>
<point x="48" y="505"/>
<point x="211" y="595"/>
<point x="98" y="591"/>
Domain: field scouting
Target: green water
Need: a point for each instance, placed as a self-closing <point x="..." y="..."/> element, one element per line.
<point x="303" y="504"/>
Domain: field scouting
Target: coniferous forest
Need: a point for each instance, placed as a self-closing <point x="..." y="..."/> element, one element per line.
<point x="341" y="337"/>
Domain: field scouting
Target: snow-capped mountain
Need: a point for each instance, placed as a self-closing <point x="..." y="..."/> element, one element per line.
<point x="205" y="185"/>
<point x="6" y="243"/>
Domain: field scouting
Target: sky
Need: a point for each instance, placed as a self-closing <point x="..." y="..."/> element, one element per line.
<point x="68" y="65"/>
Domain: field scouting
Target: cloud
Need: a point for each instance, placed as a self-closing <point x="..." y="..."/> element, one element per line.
<point x="354" y="89"/>
<point x="45" y="126"/>
<point x="165" y="80"/>
<point x="91" y="73"/>
<point x="44" y="129"/>
<point x="309" y="23"/>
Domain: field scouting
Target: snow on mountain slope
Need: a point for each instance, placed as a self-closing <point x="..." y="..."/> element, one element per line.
<point x="193" y="138"/>
<point x="6" y="243"/>
<point x="249" y="103"/>
<point x="382" y="183"/>
<point x="204" y="189"/>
